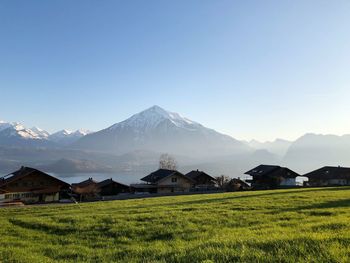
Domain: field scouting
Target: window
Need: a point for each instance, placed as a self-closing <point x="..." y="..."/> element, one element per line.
<point x="174" y="180"/>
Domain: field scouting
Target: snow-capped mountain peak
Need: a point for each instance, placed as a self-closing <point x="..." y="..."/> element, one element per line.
<point x="159" y="130"/>
<point x="67" y="136"/>
<point x="82" y="132"/>
<point x="16" y="129"/>
<point x="152" y="117"/>
<point x="40" y="132"/>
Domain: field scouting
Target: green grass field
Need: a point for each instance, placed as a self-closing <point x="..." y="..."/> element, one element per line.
<point x="297" y="225"/>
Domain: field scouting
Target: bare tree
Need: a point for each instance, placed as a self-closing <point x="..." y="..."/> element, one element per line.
<point x="222" y="181"/>
<point x="166" y="161"/>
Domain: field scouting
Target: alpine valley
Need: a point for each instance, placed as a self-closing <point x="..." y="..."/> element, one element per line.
<point x="135" y="144"/>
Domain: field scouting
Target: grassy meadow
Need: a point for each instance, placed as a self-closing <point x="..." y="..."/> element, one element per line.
<point x="296" y="225"/>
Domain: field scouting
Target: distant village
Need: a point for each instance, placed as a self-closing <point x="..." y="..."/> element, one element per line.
<point x="32" y="186"/>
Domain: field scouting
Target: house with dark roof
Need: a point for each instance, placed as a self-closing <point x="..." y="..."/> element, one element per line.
<point x="86" y="190"/>
<point x="168" y="181"/>
<point x="202" y="180"/>
<point x="236" y="184"/>
<point x="271" y="177"/>
<point x="329" y="176"/>
<point x="110" y="187"/>
<point x="29" y="185"/>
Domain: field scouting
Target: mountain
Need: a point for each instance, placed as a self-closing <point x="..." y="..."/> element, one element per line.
<point x="158" y="130"/>
<point x="278" y="147"/>
<point x="15" y="134"/>
<point x="40" y="132"/>
<point x="312" y="151"/>
<point x="4" y="125"/>
<point x="75" y="166"/>
<point x="66" y="137"/>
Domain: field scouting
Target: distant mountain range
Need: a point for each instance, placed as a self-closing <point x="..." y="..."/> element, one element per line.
<point x="136" y="143"/>
<point x="15" y="134"/>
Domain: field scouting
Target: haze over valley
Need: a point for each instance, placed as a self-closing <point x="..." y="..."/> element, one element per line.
<point x="134" y="145"/>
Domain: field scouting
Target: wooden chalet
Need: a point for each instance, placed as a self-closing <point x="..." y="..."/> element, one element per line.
<point x="86" y="190"/>
<point x="168" y="181"/>
<point x="29" y="185"/>
<point x="109" y="187"/>
<point x="236" y="184"/>
<point x="271" y="177"/>
<point x="329" y="176"/>
<point x="202" y="180"/>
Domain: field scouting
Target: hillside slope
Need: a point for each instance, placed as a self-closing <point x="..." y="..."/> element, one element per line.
<point x="301" y="225"/>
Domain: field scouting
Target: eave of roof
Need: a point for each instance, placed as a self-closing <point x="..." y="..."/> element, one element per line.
<point x="23" y="172"/>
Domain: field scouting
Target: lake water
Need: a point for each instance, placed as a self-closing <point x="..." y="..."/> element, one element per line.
<point x="124" y="178"/>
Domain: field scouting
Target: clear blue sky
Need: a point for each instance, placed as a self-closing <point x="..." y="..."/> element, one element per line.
<point x="251" y="69"/>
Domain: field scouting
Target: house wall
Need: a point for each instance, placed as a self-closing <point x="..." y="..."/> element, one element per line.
<point x="29" y="197"/>
<point x="167" y="185"/>
<point x="170" y="189"/>
<point x="114" y="189"/>
<point x="338" y="182"/>
<point x="26" y="197"/>
<point x="204" y="180"/>
<point x="288" y="182"/>
<point x="51" y="197"/>
<point x="319" y="182"/>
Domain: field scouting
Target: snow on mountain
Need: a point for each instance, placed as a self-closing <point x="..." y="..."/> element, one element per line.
<point x="16" y="134"/>
<point x="40" y="132"/>
<point x="156" y="129"/>
<point x="18" y="130"/>
<point x="152" y="117"/>
<point x="66" y="137"/>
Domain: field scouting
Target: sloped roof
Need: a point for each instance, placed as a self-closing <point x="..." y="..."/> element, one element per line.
<point x="22" y="172"/>
<point x="271" y="170"/>
<point x="239" y="181"/>
<point x="263" y="170"/>
<point x="330" y="172"/>
<point x="85" y="183"/>
<point x="196" y="173"/>
<point x="110" y="181"/>
<point x="161" y="174"/>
